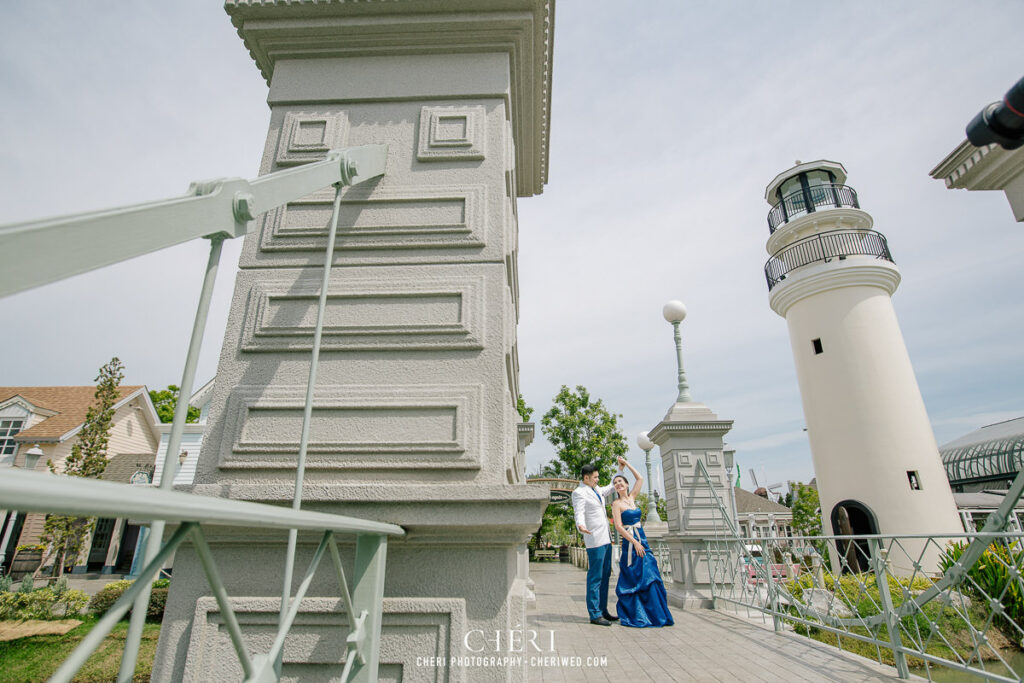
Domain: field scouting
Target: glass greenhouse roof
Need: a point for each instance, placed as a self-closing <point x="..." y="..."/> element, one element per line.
<point x="995" y="451"/>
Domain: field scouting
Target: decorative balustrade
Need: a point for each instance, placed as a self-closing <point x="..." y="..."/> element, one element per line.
<point x="822" y="248"/>
<point x="801" y="202"/>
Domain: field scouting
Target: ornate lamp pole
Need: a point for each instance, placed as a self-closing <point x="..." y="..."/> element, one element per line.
<point x="646" y="445"/>
<point x="675" y="312"/>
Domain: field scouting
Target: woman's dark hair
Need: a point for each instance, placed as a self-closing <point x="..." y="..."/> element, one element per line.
<point x="587" y="469"/>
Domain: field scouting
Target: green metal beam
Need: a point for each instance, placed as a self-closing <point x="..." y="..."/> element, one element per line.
<point x="83" y="497"/>
<point x="34" y="253"/>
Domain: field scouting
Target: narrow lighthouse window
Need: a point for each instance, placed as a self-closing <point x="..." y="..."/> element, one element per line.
<point x="915" y="481"/>
<point x="817" y="346"/>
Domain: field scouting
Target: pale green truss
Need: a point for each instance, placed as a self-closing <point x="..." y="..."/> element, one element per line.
<point x="38" y="252"/>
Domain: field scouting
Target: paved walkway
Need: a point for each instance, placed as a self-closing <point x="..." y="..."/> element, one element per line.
<point x="704" y="645"/>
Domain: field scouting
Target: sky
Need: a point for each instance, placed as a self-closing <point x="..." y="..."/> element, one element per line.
<point x="668" y="121"/>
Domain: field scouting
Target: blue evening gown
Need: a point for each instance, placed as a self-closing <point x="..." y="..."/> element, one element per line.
<point x="641" y="592"/>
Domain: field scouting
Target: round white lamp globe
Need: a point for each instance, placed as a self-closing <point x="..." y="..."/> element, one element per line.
<point x="674" y="311"/>
<point x="643" y="442"/>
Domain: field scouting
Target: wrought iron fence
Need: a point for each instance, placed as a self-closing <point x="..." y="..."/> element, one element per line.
<point x="822" y="248"/>
<point x="800" y="202"/>
<point x="37" y="252"/>
<point x="915" y="602"/>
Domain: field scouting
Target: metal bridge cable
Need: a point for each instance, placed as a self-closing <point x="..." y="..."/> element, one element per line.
<point x="307" y="415"/>
<point x="156" y="533"/>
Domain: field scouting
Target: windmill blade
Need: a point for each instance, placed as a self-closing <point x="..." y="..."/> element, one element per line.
<point x="753" y="479"/>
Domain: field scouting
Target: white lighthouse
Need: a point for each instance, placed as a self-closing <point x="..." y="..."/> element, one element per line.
<point x="831" y="277"/>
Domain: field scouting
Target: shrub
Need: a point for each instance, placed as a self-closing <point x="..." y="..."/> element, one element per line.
<point x="995" y="571"/>
<point x="38" y="547"/>
<point x="103" y="600"/>
<point x="157" y="603"/>
<point x="5" y="583"/>
<point x="41" y="604"/>
<point x="27" y="584"/>
<point x="110" y="594"/>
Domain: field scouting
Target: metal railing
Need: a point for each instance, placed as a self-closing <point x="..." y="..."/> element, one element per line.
<point x="822" y="248"/>
<point x="37" y="252"/>
<point x="915" y="602"/>
<point x="578" y="556"/>
<point x="799" y="202"/>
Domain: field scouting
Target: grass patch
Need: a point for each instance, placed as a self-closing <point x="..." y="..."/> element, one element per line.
<point x="937" y="628"/>
<point x="36" y="658"/>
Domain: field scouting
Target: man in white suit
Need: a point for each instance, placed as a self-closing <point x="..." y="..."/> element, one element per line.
<point x="588" y="502"/>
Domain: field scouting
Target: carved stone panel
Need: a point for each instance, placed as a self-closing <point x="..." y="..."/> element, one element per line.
<point x="309" y="136"/>
<point x="400" y="426"/>
<point x="451" y="134"/>
<point x="381" y="218"/>
<point x="315" y="648"/>
<point x="396" y="314"/>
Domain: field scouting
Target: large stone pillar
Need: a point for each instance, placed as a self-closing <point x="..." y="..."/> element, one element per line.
<point x="414" y="418"/>
<point x="692" y="433"/>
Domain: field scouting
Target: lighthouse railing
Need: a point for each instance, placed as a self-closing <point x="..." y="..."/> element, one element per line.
<point x="914" y="601"/>
<point x="823" y="248"/>
<point x="802" y="202"/>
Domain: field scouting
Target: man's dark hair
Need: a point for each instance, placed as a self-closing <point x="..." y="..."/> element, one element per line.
<point x="587" y="469"/>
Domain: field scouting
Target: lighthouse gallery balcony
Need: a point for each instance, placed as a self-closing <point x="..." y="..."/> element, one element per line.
<point x="808" y="199"/>
<point x="822" y="248"/>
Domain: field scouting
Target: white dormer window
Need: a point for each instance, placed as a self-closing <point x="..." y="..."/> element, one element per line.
<point x="8" y="447"/>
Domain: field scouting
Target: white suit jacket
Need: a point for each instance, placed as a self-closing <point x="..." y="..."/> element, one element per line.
<point x="591" y="515"/>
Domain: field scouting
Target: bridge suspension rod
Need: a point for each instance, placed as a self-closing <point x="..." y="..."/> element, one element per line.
<point x="35" y="253"/>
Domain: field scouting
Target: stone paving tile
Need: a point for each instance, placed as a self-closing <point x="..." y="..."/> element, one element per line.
<point x="704" y="645"/>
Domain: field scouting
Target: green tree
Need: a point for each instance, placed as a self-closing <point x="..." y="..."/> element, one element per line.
<point x="166" y="400"/>
<point x="806" y="510"/>
<point x="66" y="534"/>
<point x="524" y="410"/>
<point x="582" y="431"/>
<point x="642" y="503"/>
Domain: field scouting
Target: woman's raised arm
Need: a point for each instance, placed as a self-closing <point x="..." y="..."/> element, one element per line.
<point x="638" y="486"/>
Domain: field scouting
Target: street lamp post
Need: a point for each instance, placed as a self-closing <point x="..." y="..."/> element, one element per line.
<point x="675" y="312"/>
<point x="729" y="457"/>
<point x="32" y="456"/>
<point x="646" y="445"/>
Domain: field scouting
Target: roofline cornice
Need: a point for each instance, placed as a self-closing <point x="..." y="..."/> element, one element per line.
<point x="711" y="427"/>
<point x="28" y="405"/>
<point x="273" y="30"/>
<point x="979" y="168"/>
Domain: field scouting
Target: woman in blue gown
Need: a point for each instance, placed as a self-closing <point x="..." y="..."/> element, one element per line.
<point x="641" y="592"/>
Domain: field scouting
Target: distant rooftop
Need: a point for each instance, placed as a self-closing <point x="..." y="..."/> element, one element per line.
<point x="991" y="453"/>
<point x="747" y="502"/>
<point x="68" y="406"/>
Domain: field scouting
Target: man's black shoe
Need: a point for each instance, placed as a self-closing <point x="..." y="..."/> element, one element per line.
<point x="601" y="621"/>
<point x="610" y="617"/>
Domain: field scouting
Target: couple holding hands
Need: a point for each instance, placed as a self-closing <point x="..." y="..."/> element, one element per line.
<point x="640" y="590"/>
